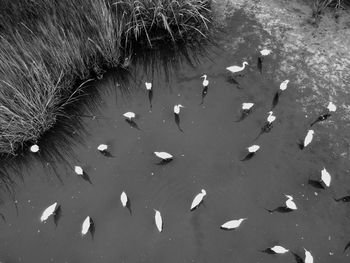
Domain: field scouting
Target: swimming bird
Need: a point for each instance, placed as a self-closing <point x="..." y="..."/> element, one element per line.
<point x="103" y="149"/>
<point x="129" y="118"/>
<point x="48" y="212"/>
<point x="263" y="53"/>
<point x="233" y="224"/>
<point x="198" y="199"/>
<point x="283" y="87"/>
<point x="164" y="156"/>
<point x="289" y="207"/>
<point x="276" y="250"/>
<point x="150" y="92"/>
<point x="177" y="109"/>
<point x="236" y="69"/>
<point x="308" y="139"/>
<point x="129" y="115"/>
<point x="268" y="124"/>
<point x="325" y="180"/>
<point x="205" y="84"/>
<point x="34" y="148"/>
<point x="80" y="172"/>
<point x="125" y="201"/>
<point x="308" y="257"/>
<point x="246" y="110"/>
<point x="344" y="199"/>
<point x="158" y="220"/>
<point x="87" y="226"/>
<point x="251" y="152"/>
<point x="290" y="203"/>
<point x="330" y="108"/>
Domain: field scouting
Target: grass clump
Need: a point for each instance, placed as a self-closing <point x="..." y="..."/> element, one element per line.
<point x="320" y="5"/>
<point x="48" y="46"/>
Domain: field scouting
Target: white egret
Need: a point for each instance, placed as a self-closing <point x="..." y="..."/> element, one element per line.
<point x="86" y="226"/>
<point x="48" y="212"/>
<point x="271" y="118"/>
<point x="276" y="250"/>
<point x="251" y="152"/>
<point x="290" y="203"/>
<point x="246" y="109"/>
<point x="148" y="85"/>
<point x="124" y="199"/>
<point x="34" y="148"/>
<point x="308" y="139"/>
<point x="283" y="86"/>
<point x="78" y="170"/>
<point x="198" y="199"/>
<point x="158" y="220"/>
<point x="331" y="107"/>
<point x="205" y="82"/>
<point x="129" y="115"/>
<point x="164" y="156"/>
<point x="268" y="124"/>
<point x="235" y="69"/>
<point x="233" y="224"/>
<point x="326" y="177"/>
<point x="177" y="108"/>
<point x="308" y="257"/>
<point x="265" y="52"/>
<point x="102" y="147"/>
<point x="247" y="105"/>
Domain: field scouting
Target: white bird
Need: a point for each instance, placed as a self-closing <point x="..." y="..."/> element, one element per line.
<point x="308" y="257"/>
<point x="326" y="177"/>
<point x="235" y="69"/>
<point x="86" y="225"/>
<point x="48" y="212"/>
<point x="164" y="155"/>
<point x="284" y="85"/>
<point x="271" y="118"/>
<point x="308" y="138"/>
<point x="232" y="224"/>
<point x="253" y="148"/>
<point x="34" y="148"/>
<point x="78" y="170"/>
<point x="158" y="220"/>
<point x="205" y="81"/>
<point x="177" y="108"/>
<point x="102" y="147"/>
<point x="247" y="105"/>
<point x="129" y="115"/>
<point x="124" y="199"/>
<point x="290" y="203"/>
<point x="331" y="107"/>
<point x="279" y="249"/>
<point x="265" y="52"/>
<point x="148" y="85"/>
<point x="198" y="199"/>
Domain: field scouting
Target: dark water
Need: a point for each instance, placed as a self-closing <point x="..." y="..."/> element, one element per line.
<point x="206" y="155"/>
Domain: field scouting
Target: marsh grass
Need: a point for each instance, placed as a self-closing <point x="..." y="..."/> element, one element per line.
<point x="49" y="48"/>
<point x="320" y="5"/>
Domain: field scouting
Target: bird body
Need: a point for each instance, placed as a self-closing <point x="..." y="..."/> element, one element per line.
<point x="205" y="82"/>
<point x="331" y="107"/>
<point x="290" y="203"/>
<point x="279" y="249"/>
<point x="198" y="199"/>
<point x="158" y="220"/>
<point x="78" y="170"/>
<point x="177" y="108"/>
<point x="148" y="85"/>
<point x="284" y="85"/>
<point x="326" y="177"/>
<point x="235" y="69"/>
<point x="265" y="52"/>
<point x="34" y="148"/>
<point x="48" y="212"/>
<point x="308" y="257"/>
<point x="247" y="105"/>
<point x="233" y="224"/>
<point x="253" y="148"/>
<point x="163" y="155"/>
<point x="129" y="115"/>
<point x="124" y="199"/>
<point x="102" y="147"/>
<point x="86" y="225"/>
<point x="308" y="138"/>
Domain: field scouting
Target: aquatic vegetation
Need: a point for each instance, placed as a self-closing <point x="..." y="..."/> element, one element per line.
<point x="48" y="47"/>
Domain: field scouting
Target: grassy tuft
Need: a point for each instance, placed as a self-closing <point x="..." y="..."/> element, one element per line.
<point x="320" y="5"/>
<point x="48" y="46"/>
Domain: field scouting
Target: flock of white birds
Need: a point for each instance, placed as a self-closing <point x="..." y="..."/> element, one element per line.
<point x="247" y="107"/>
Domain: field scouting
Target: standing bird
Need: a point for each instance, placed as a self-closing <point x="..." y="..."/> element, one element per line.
<point x="164" y="156"/>
<point x="268" y="124"/>
<point x="263" y="53"/>
<point x="177" y="109"/>
<point x="236" y="69"/>
<point x="246" y="110"/>
<point x="276" y="250"/>
<point x="289" y="207"/>
<point x="80" y="172"/>
<point x="325" y="180"/>
<point x="150" y="92"/>
<point x="308" y="139"/>
<point x="233" y="224"/>
<point x="125" y="201"/>
<point x="205" y="84"/>
<point x="34" y="148"/>
<point x="48" y="212"/>
<point x="103" y="149"/>
<point x="251" y="152"/>
<point x="330" y="108"/>
<point x="283" y="86"/>
<point x="308" y="257"/>
<point x="198" y="199"/>
<point x="88" y="226"/>
<point x="158" y="220"/>
<point x="129" y="118"/>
